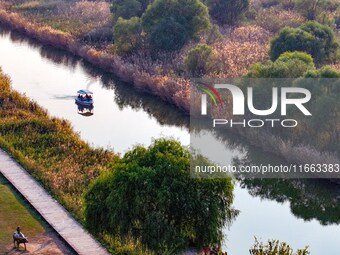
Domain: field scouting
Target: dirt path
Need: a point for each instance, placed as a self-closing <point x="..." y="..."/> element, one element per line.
<point x="43" y="244"/>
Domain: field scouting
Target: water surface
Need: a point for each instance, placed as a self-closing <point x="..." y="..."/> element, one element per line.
<point x="298" y="212"/>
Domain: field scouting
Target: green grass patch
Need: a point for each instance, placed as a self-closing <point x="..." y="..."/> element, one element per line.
<point x="14" y="212"/>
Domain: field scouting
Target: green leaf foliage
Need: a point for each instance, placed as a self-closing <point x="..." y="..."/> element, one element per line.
<point x="168" y="19"/>
<point x="127" y="9"/>
<point x="127" y="35"/>
<point x="149" y="197"/>
<point x="312" y="37"/>
<point x="288" y="65"/>
<point x="200" y="60"/>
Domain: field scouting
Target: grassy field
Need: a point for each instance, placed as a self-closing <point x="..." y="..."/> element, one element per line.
<point x="12" y="206"/>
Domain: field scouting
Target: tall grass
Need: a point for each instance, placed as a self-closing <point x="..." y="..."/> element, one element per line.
<point x="240" y="49"/>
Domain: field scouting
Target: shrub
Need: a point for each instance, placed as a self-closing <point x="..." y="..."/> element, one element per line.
<point x="168" y="35"/>
<point x="324" y="72"/>
<point x="312" y="37"/>
<point x="125" y="9"/>
<point x="127" y="35"/>
<point x="128" y="8"/>
<point x="288" y="65"/>
<point x="227" y="11"/>
<point x="175" y="21"/>
<point x="275" y="247"/>
<point x="150" y="197"/>
<point x="200" y="60"/>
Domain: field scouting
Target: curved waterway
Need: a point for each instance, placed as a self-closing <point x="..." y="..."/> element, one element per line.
<point x="300" y="212"/>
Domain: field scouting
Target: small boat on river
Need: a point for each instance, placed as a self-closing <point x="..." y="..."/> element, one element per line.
<point x="84" y="98"/>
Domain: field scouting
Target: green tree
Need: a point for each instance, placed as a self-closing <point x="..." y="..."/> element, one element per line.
<point x="312" y="37"/>
<point x="125" y="9"/>
<point x="127" y="35"/>
<point x="128" y="8"/>
<point x="200" y="60"/>
<point x="288" y="65"/>
<point x="175" y="21"/>
<point x="227" y="11"/>
<point x="150" y="197"/>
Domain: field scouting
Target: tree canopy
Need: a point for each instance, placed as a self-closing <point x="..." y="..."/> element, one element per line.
<point x="288" y="65"/>
<point x="170" y="23"/>
<point x="150" y="197"/>
<point x="127" y="34"/>
<point x="312" y="37"/>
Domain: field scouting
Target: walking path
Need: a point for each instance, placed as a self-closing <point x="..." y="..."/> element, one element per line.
<point x="55" y="214"/>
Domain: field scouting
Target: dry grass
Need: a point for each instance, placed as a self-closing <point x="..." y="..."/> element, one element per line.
<point x="240" y="49"/>
<point x="75" y="17"/>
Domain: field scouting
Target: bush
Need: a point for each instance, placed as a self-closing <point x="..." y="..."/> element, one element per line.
<point x="175" y="21"/>
<point x="227" y="11"/>
<point x="324" y="72"/>
<point x="127" y="35"/>
<point x="275" y="247"/>
<point x="150" y="197"/>
<point x="125" y="9"/>
<point x="159" y="37"/>
<point x="200" y="60"/>
<point x="288" y="65"/>
<point x="312" y="37"/>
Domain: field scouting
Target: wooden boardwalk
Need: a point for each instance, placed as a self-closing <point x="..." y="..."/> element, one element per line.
<point x="55" y="214"/>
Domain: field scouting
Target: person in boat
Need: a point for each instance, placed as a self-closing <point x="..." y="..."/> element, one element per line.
<point x="88" y="97"/>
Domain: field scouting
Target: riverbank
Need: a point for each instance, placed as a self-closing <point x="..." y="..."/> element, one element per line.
<point x="48" y="148"/>
<point x="172" y="90"/>
<point x="64" y="41"/>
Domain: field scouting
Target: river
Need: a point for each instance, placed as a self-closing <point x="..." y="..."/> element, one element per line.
<point x="300" y="212"/>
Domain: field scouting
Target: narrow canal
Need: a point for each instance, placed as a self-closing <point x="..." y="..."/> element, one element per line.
<point x="298" y="212"/>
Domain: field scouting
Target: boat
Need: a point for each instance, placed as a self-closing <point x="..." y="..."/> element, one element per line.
<point x="84" y="98"/>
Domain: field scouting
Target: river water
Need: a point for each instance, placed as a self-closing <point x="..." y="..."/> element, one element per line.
<point x="298" y="212"/>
